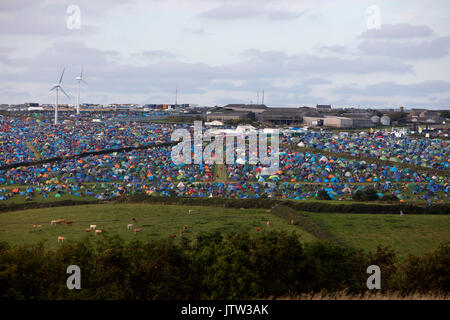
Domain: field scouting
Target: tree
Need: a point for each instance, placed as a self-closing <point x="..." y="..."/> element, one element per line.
<point x="398" y="116"/>
<point x="323" y="195"/>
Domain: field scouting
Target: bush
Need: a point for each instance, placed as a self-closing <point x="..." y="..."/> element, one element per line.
<point x="389" y="197"/>
<point x="214" y="266"/>
<point x="369" y="194"/>
<point x="323" y="195"/>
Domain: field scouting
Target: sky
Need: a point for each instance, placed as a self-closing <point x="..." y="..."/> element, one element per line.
<point x="347" y="53"/>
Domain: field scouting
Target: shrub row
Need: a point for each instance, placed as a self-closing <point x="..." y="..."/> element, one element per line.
<point x="316" y="206"/>
<point x="37" y="205"/>
<point x="309" y="206"/>
<point x="236" y="266"/>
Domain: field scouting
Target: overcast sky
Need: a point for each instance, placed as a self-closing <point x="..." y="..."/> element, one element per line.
<point x="223" y="51"/>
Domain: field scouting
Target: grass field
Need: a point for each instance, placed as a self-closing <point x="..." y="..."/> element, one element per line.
<point x="157" y="222"/>
<point x="415" y="234"/>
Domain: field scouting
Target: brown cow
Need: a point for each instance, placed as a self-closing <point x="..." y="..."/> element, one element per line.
<point x="268" y="223"/>
<point x="185" y="227"/>
<point x="88" y="229"/>
<point x="133" y="219"/>
<point x="59" y="221"/>
<point x="137" y="230"/>
<point x="99" y="231"/>
<point x="292" y="221"/>
<point x="172" y="236"/>
<point x="61" y="239"/>
<point x="258" y="229"/>
<point x="68" y="222"/>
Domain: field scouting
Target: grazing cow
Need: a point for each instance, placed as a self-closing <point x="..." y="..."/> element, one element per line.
<point x="59" y="221"/>
<point x="99" y="231"/>
<point x="133" y="219"/>
<point x="292" y="221"/>
<point x="258" y="229"/>
<point x="190" y="211"/>
<point x="268" y="223"/>
<point x="185" y="227"/>
<point x="37" y="225"/>
<point x="137" y="230"/>
<point x="172" y="236"/>
<point x="130" y="226"/>
<point x="93" y="226"/>
<point x="61" y="239"/>
<point x="88" y="229"/>
<point x="68" y="222"/>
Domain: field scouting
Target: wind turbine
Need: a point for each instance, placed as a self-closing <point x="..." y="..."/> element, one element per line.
<point x="57" y="86"/>
<point x="79" y="79"/>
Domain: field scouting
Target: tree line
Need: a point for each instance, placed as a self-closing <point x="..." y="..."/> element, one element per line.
<point x="213" y="266"/>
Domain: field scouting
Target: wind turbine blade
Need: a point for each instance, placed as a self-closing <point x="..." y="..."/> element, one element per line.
<point x="53" y="88"/>
<point x="84" y="81"/>
<point x="60" y="79"/>
<point x="64" y="92"/>
<point x="81" y="74"/>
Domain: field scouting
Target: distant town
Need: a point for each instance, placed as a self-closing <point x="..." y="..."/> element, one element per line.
<point x="420" y="121"/>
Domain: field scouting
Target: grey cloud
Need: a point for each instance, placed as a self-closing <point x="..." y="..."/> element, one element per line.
<point x="259" y="71"/>
<point x="327" y="65"/>
<point x="255" y="85"/>
<point x="333" y="48"/>
<point x="427" y="49"/>
<point x="284" y="15"/>
<point x="397" y="31"/>
<point x="234" y="12"/>
<point x="40" y="22"/>
<point x="198" y="31"/>
<point x="395" y="89"/>
<point x="14" y="5"/>
<point x="158" y="54"/>
<point x="277" y="61"/>
<point x="245" y="11"/>
<point x="103" y="69"/>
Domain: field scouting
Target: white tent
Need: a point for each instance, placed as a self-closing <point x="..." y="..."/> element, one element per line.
<point x="180" y="186"/>
<point x="214" y="123"/>
<point x="244" y="128"/>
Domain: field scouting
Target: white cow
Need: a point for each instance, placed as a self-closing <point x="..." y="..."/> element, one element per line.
<point x="93" y="226"/>
<point x="130" y="226"/>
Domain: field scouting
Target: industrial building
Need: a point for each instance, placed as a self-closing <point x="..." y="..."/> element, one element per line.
<point x="281" y="115"/>
<point x="224" y="115"/>
<point x="336" y="121"/>
<point x="323" y="107"/>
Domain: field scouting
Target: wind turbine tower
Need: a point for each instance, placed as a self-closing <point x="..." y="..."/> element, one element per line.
<point x="79" y="79"/>
<point x="58" y="87"/>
